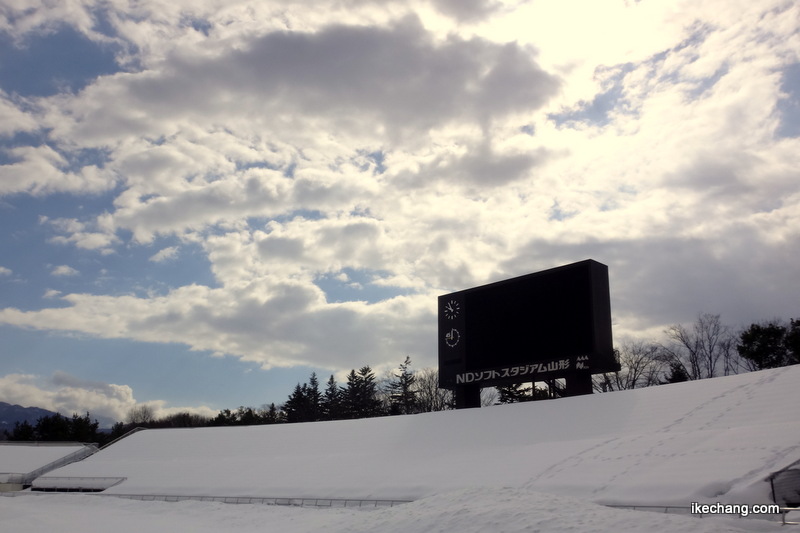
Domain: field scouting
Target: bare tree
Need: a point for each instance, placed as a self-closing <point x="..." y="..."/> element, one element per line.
<point x="706" y="350"/>
<point x="640" y="365"/>
<point x="141" y="414"/>
<point x="429" y="396"/>
<point x="489" y="396"/>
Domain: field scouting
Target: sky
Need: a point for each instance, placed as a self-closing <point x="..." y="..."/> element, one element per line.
<point x="203" y="202"/>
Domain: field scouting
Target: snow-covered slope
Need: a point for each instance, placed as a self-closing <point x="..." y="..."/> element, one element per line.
<point x="711" y="440"/>
<point x="20" y="458"/>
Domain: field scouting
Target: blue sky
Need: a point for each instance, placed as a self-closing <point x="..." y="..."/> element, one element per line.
<point x="204" y="202"/>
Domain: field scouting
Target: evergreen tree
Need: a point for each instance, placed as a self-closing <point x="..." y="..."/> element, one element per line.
<point x="359" y="398"/>
<point x="243" y="416"/>
<point x="770" y="345"/>
<point x="297" y="407"/>
<point x="677" y="373"/>
<point x="53" y="428"/>
<point x="247" y="416"/>
<point x="402" y="395"/>
<point x="23" y="431"/>
<point x="331" y="401"/>
<point x="82" y="429"/>
<point x="272" y="415"/>
<point x="57" y="428"/>
<point x="314" y="399"/>
<point x="515" y="393"/>
<point x="224" y="418"/>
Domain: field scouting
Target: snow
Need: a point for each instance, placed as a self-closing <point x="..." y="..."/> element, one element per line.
<point x="21" y="458"/>
<point x="542" y="465"/>
<point x="471" y="510"/>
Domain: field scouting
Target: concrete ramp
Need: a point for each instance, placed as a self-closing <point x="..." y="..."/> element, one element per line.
<point x="22" y="462"/>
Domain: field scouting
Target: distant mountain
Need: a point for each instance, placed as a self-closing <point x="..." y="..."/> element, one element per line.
<point x="11" y="414"/>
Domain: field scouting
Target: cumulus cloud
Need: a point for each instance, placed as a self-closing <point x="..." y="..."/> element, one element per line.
<point x="435" y="152"/>
<point x="5" y="271"/>
<point x="282" y="323"/>
<point x="165" y="254"/>
<point x="67" y="394"/>
<point x="64" y="270"/>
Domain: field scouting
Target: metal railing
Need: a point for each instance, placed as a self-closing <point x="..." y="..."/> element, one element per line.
<point x="75" y="483"/>
<point x="668" y="509"/>
<point x="785" y="511"/>
<point x="85" y="451"/>
<point x="128" y="434"/>
<point x="294" y="502"/>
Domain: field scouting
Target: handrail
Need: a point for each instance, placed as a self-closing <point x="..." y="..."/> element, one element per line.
<point x="785" y="511"/>
<point x="85" y="451"/>
<point x="294" y="502"/>
<point x="75" y="483"/>
<point x="128" y="434"/>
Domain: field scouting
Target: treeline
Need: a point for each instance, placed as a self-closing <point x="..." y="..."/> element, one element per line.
<point x="363" y="395"/>
<point x="58" y="428"/>
<point x="705" y="349"/>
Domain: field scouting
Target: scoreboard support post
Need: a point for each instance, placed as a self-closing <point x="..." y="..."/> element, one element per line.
<point x="578" y="383"/>
<point x="467" y="396"/>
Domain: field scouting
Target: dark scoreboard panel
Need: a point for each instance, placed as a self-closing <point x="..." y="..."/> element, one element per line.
<point x="538" y="326"/>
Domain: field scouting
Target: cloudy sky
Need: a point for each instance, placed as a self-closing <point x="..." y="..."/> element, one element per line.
<point x="204" y="201"/>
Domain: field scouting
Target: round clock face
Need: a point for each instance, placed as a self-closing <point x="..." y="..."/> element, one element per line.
<point x="451" y="309"/>
<point x="452" y="337"/>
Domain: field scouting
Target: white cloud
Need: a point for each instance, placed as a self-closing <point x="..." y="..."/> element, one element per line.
<point x="436" y="153"/>
<point x="81" y="235"/>
<point x="12" y="118"/>
<point x="68" y="394"/>
<point x="64" y="270"/>
<point x="279" y="323"/>
<point x="5" y="271"/>
<point x="165" y="254"/>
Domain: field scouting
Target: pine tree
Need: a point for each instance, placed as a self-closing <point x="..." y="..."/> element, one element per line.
<point x="677" y="374"/>
<point x="331" y="401"/>
<point x="314" y="399"/>
<point x="53" y="428"/>
<point x="359" y="397"/>
<point x="402" y="396"/>
<point x="770" y="345"/>
<point x="297" y="406"/>
<point x="272" y="415"/>
<point x="82" y="429"/>
<point x="514" y="394"/>
<point x="23" y="431"/>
